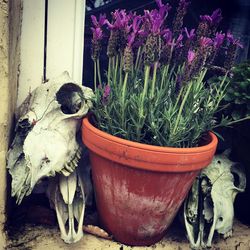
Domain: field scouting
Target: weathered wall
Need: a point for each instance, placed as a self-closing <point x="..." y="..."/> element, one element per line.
<point x="10" y="21"/>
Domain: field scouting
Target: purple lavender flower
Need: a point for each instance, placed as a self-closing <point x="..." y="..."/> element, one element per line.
<point x="190" y="35"/>
<point x="214" y="19"/>
<point x="121" y="20"/>
<point x="136" y="23"/>
<point x="216" y="16"/>
<point x="159" y="3"/>
<point x="101" y="22"/>
<point x="168" y="36"/>
<point x="135" y="30"/>
<point x="96" y="42"/>
<point x="218" y="40"/>
<point x="163" y="8"/>
<point x="119" y="30"/>
<point x="140" y="38"/>
<point x="178" y="43"/>
<point x="205" y="42"/>
<point x="231" y="50"/>
<point x="156" y="18"/>
<point x="178" y="20"/>
<point x="106" y="94"/>
<point x="97" y="34"/>
<point x="191" y="56"/>
<point x="230" y="38"/>
<point x="131" y="39"/>
<point x="107" y="91"/>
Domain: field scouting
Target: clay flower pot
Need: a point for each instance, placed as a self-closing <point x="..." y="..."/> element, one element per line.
<point x="139" y="188"/>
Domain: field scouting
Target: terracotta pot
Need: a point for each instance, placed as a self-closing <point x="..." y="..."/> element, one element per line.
<point x="139" y="188"/>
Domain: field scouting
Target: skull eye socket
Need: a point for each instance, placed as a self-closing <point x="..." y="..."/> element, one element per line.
<point x="70" y="97"/>
<point x="220" y="219"/>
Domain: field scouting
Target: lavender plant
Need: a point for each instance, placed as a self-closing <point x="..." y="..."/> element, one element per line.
<point x="156" y="89"/>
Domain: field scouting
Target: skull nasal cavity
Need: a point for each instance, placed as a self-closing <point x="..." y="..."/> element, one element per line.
<point x="70" y="97"/>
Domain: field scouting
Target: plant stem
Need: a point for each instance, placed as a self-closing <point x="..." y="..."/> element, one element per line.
<point x="137" y="58"/>
<point x="178" y="98"/>
<point x="139" y="62"/>
<point x="116" y="68"/>
<point x="99" y="72"/>
<point x="182" y="106"/>
<point x="165" y="70"/>
<point x="240" y="120"/>
<point x="145" y="88"/>
<point x="154" y="80"/>
<point x="109" y="71"/>
<point x="222" y="89"/>
<point x="141" y="107"/>
<point x="95" y="74"/>
<point x="113" y="63"/>
<point x="124" y="88"/>
<point x="121" y="68"/>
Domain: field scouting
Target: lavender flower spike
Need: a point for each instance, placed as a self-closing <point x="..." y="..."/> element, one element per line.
<point x="136" y="23"/>
<point x="232" y="40"/>
<point x="167" y="35"/>
<point x="159" y="3"/>
<point x="106" y="94"/>
<point x="155" y="19"/>
<point x="178" y="20"/>
<point x="191" y="56"/>
<point x="214" y="19"/>
<point x="101" y="22"/>
<point x="131" y="39"/>
<point x="218" y="40"/>
<point x="163" y="8"/>
<point x="97" y="34"/>
<point x="178" y="42"/>
<point x="205" y="42"/>
<point x="190" y="35"/>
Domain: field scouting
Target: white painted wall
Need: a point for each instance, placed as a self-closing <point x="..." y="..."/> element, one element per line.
<point x="32" y="47"/>
<point x="65" y="38"/>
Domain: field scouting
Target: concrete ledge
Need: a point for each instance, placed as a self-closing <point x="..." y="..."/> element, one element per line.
<point x="40" y="238"/>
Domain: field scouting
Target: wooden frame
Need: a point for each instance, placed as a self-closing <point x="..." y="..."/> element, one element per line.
<point x="52" y="40"/>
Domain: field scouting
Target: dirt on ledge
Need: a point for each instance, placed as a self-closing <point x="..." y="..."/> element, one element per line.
<point x="30" y="237"/>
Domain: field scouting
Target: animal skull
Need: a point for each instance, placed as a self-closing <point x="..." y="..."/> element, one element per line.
<point x="45" y="141"/>
<point x="209" y="205"/>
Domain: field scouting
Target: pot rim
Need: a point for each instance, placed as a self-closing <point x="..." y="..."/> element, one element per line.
<point x="212" y="141"/>
<point x="147" y="157"/>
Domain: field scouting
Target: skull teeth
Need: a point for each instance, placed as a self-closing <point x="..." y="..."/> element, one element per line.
<point x="65" y="172"/>
<point x="70" y="166"/>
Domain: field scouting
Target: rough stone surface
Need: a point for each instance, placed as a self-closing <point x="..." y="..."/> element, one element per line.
<point x="4" y="107"/>
<point x="8" y="82"/>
